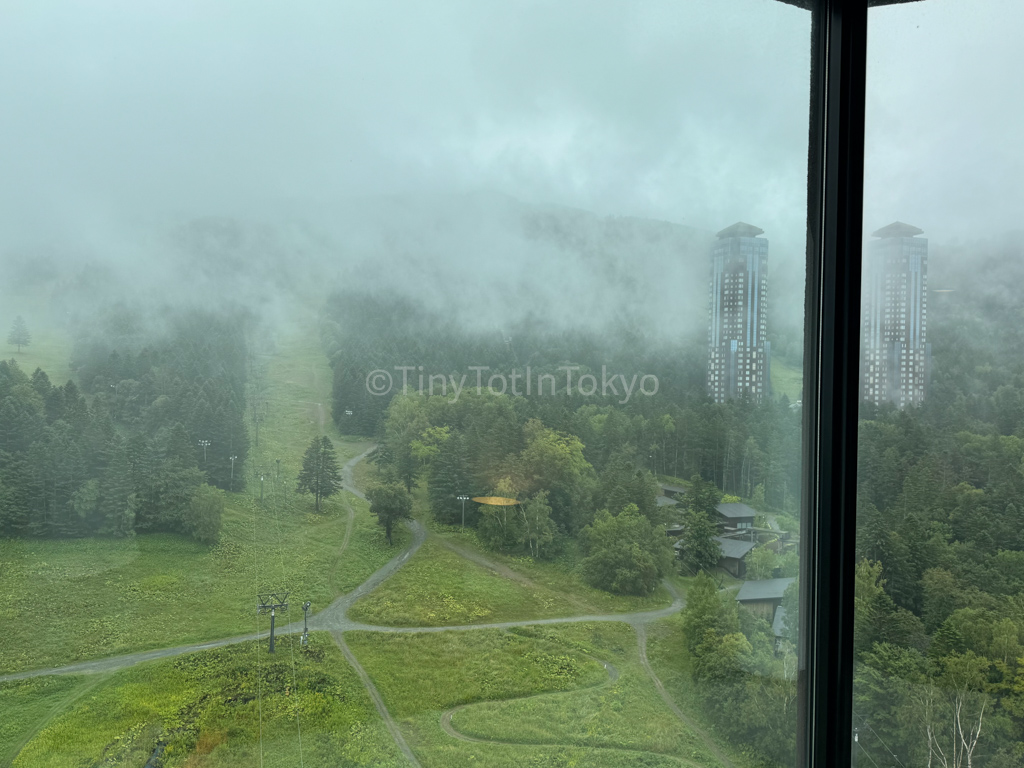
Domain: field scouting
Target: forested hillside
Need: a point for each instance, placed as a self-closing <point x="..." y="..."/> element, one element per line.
<point x="940" y="589"/>
<point x="121" y="453"/>
<point x="675" y="431"/>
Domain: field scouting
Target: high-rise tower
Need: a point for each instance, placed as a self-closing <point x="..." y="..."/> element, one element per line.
<point x="895" y="355"/>
<point x="738" y="352"/>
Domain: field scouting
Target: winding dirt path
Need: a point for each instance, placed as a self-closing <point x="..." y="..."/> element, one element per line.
<point x="347" y="468"/>
<point x="378" y="700"/>
<point x="446" y="716"/>
<point x="502" y="570"/>
<point x="346" y="472"/>
<point x="641" y="639"/>
<point x="613" y="674"/>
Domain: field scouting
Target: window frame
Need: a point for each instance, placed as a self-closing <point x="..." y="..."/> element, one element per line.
<point x="835" y="197"/>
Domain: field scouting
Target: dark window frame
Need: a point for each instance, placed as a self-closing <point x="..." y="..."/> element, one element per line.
<point x="835" y="195"/>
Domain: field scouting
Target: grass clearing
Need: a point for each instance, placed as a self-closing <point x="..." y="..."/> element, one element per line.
<point x="541" y="689"/>
<point x="50" y="348"/>
<point x="438" y="587"/>
<point x="627" y="714"/>
<point x="223" y="708"/>
<point x="76" y="599"/>
<point x="29" y="704"/>
<point x="70" y="600"/>
<point x="365" y="474"/>
<point x="367" y="550"/>
<point x="430" y="672"/>
<point x="668" y="657"/>
<point x="558" y="575"/>
<point x="786" y="380"/>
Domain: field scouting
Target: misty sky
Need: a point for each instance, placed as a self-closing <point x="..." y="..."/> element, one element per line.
<point x="693" y="112"/>
<point x="945" y="118"/>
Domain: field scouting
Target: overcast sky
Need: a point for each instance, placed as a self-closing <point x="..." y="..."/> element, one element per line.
<point x="694" y="112"/>
<point x="946" y="118"/>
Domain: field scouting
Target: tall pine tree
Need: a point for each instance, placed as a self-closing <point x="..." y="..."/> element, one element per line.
<point x="320" y="475"/>
<point x="19" y="335"/>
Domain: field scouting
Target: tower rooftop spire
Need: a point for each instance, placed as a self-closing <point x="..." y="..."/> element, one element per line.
<point x="741" y="229"/>
<point x="897" y="229"/>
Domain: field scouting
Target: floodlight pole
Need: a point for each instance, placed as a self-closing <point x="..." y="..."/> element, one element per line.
<point x="463" y="498"/>
<point x="305" y="623"/>
<point x="271" y="602"/>
<point x="233" y="472"/>
<point x="205" y="444"/>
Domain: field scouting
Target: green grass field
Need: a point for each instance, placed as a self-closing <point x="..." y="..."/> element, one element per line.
<point x="787" y="381"/>
<point x="69" y="600"/>
<point x="438" y="587"/>
<point x="557" y="575"/>
<point x="666" y="652"/>
<point x="234" y="706"/>
<point x="535" y="696"/>
<point x="50" y="348"/>
<point x="28" y="705"/>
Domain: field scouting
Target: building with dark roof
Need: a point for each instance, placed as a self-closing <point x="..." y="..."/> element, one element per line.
<point x="738" y="350"/>
<point x="763" y="597"/>
<point x="734" y="554"/>
<point x="669" y="489"/>
<point x="732" y="557"/>
<point x="895" y="354"/>
<point x="736" y="515"/>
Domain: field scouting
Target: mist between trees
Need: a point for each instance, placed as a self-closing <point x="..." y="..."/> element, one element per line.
<point x="140" y="444"/>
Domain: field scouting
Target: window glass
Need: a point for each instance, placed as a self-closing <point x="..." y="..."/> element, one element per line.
<point x="401" y="383"/>
<point x="939" y="588"/>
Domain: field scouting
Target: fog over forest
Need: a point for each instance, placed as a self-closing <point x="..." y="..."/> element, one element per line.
<point x="221" y="222"/>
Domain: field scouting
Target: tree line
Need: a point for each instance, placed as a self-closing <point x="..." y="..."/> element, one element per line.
<point x="140" y="445"/>
<point x="940" y="586"/>
<point x="746" y="449"/>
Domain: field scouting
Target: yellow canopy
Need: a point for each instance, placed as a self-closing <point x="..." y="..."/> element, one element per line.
<point x="495" y="501"/>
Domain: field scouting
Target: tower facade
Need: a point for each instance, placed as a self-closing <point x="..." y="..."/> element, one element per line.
<point x="895" y="354"/>
<point x="739" y="355"/>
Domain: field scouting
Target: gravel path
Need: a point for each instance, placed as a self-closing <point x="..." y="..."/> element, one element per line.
<point x="641" y="639"/>
<point x="613" y="675"/>
<point x="498" y="568"/>
<point x="446" y="716"/>
<point x="378" y="700"/>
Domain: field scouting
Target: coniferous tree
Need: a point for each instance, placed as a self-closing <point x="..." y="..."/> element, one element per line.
<point x="320" y="475"/>
<point x="117" y="503"/>
<point x="699" y="549"/>
<point x="449" y="477"/>
<point x="19" y="335"/>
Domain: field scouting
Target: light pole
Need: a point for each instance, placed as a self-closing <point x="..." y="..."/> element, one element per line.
<point x="463" y="498"/>
<point x="205" y="444"/>
<point x="233" y="472"/>
<point x="305" y="622"/>
<point x="261" y="488"/>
